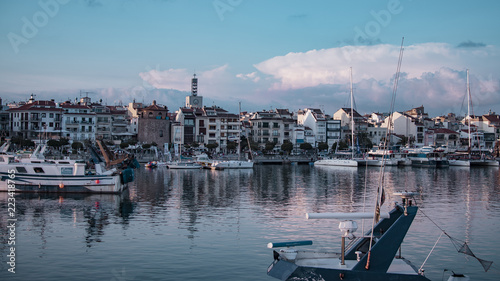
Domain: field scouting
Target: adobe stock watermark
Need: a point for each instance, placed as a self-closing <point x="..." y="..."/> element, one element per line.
<point x="381" y="19"/>
<point x="223" y="6"/>
<point x="30" y="26"/>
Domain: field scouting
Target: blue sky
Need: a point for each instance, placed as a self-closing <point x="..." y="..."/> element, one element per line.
<point x="264" y="54"/>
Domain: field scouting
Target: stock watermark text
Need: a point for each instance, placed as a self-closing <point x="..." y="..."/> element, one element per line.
<point x="11" y="222"/>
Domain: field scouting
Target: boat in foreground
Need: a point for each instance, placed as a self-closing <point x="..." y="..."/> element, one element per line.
<point x="371" y="257"/>
<point x="37" y="174"/>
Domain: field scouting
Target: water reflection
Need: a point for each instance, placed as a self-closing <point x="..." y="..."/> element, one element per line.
<point x="173" y="214"/>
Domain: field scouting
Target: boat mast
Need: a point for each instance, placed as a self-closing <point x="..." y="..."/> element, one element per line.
<point x="352" y="120"/>
<point x="468" y="109"/>
<point x="239" y="131"/>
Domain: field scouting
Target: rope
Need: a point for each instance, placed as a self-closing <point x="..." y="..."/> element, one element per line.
<point x="422" y="266"/>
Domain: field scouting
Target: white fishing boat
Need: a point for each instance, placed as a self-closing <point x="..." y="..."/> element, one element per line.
<point x="37" y="174"/>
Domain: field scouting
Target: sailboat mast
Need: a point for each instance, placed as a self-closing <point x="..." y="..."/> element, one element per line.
<point x="468" y="106"/>
<point x="239" y="130"/>
<point x="352" y="119"/>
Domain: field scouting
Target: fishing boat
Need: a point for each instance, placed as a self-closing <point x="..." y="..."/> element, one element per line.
<point x="37" y="174"/>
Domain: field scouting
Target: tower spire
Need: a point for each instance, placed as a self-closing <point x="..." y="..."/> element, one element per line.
<point x="194" y="85"/>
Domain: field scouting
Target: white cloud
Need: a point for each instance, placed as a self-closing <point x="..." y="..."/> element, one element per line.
<point x="433" y="75"/>
<point x="331" y="66"/>
<point x="250" y="76"/>
<point x="178" y="79"/>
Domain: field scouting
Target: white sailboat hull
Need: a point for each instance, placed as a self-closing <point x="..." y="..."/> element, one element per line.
<point x="232" y="164"/>
<point x="461" y="163"/>
<point x="337" y="162"/>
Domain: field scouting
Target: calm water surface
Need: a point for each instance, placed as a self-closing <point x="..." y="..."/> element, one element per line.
<point x="214" y="225"/>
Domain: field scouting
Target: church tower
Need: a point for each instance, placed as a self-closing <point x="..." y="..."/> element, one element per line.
<point x="194" y="101"/>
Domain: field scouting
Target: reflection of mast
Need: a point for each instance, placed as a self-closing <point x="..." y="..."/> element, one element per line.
<point x="468" y="214"/>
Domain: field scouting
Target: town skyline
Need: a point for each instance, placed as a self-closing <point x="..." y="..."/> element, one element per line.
<point x="284" y="54"/>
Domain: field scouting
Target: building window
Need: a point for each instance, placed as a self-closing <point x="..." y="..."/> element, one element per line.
<point x="161" y="133"/>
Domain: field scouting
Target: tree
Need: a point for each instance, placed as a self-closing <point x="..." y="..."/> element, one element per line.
<point x="364" y="141"/>
<point x="146" y="146"/>
<point x="343" y="145"/>
<point x="322" y="146"/>
<point x="212" y="146"/>
<point x="269" y="146"/>
<point x="54" y="143"/>
<point x="22" y="142"/>
<point x="77" y="145"/>
<point x="306" y="146"/>
<point x="287" y="146"/>
<point x="231" y="145"/>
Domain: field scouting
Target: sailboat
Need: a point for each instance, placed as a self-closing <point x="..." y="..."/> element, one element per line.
<point x="233" y="164"/>
<point x="468" y="160"/>
<point x="343" y="161"/>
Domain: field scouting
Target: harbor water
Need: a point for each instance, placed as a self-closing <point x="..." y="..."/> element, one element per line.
<point x="214" y="225"/>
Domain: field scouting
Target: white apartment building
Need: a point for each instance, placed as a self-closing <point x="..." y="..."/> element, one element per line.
<point x="274" y="126"/>
<point x="36" y="120"/>
<point x="314" y="119"/>
<point x="78" y="122"/>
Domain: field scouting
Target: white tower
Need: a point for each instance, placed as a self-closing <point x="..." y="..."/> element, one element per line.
<point x="194" y="100"/>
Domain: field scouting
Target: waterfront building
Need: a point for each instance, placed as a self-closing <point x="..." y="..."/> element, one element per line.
<point x="488" y="128"/>
<point x="360" y="125"/>
<point x="153" y="122"/>
<point x="442" y="137"/>
<point x="221" y="127"/>
<point x="36" y="120"/>
<point x="186" y="117"/>
<point x="408" y="126"/>
<point x="275" y="126"/>
<point x="4" y="121"/>
<point x="103" y="121"/>
<point x="78" y="122"/>
<point x="314" y="119"/>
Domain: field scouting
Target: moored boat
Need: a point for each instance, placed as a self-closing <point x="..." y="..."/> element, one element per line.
<point x="372" y="256"/>
<point x="37" y="174"/>
<point x="184" y="165"/>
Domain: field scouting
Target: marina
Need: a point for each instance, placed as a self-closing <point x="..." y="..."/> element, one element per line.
<point x="203" y="224"/>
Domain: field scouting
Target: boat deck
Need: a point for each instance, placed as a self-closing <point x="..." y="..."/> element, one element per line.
<point x="332" y="261"/>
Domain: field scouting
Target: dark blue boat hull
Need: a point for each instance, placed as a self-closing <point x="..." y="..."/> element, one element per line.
<point x="285" y="270"/>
